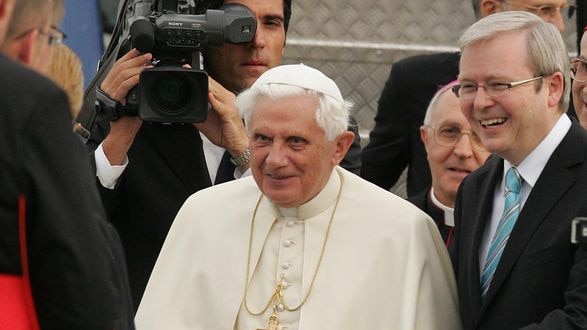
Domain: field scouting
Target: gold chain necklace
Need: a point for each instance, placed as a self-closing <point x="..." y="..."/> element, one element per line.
<point x="277" y="295"/>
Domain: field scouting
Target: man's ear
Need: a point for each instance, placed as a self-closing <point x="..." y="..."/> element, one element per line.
<point x="555" y="88"/>
<point x="343" y="143"/>
<point x="424" y="137"/>
<point x="489" y="7"/>
<point x="23" y="47"/>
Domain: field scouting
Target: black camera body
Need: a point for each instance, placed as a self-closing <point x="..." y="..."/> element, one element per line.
<point x="170" y="92"/>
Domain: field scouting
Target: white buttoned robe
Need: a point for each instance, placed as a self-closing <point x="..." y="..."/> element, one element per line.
<point x="385" y="265"/>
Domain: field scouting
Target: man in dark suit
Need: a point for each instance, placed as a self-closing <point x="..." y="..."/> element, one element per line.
<point x="168" y="163"/>
<point x="48" y="200"/>
<point x="453" y="151"/>
<point x="394" y="142"/>
<point x="514" y="262"/>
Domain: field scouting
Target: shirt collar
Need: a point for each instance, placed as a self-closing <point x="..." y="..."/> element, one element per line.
<point x="449" y="218"/>
<point x="531" y="167"/>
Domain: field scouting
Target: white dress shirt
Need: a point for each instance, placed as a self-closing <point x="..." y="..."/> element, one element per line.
<point x="530" y="169"/>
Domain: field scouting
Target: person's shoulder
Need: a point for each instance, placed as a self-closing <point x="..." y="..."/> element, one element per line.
<point x="14" y="75"/>
<point x="428" y="60"/>
<point x="420" y="199"/>
<point x="371" y="198"/>
<point x="235" y="190"/>
<point x="25" y="93"/>
<point x="23" y="85"/>
<point x="471" y="183"/>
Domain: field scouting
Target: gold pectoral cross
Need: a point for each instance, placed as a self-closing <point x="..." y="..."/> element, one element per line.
<point x="272" y="322"/>
<point x="277" y="298"/>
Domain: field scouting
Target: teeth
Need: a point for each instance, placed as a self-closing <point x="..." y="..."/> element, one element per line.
<point x="494" y="121"/>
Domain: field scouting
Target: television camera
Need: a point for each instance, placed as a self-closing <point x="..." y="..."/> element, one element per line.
<point x="175" y="89"/>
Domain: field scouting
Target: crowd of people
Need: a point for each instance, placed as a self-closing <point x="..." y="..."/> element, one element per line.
<point x="268" y="215"/>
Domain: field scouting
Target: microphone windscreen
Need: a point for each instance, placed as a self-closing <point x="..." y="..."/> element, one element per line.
<point x="142" y="35"/>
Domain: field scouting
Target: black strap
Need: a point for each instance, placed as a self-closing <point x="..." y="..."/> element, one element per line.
<point x="86" y="119"/>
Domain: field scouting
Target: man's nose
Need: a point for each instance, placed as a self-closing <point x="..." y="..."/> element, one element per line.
<point x="463" y="148"/>
<point x="277" y="156"/>
<point x="259" y="38"/>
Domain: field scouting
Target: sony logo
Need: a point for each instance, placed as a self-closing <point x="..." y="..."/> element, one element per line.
<point x="175" y="23"/>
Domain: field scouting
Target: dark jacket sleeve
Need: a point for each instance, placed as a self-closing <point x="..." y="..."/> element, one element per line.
<point x="388" y="151"/>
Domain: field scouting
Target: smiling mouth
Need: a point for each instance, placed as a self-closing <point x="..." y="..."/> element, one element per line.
<point x="458" y="170"/>
<point x="492" y="122"/>
<point x="279" y="177"/>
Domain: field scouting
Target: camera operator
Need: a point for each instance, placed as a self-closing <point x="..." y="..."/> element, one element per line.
<point x="146" y="171"/>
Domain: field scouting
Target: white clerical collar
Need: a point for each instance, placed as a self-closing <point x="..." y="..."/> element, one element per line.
<point x="449" y="212"/>
<point x="318" y="204"/>
<point x="531" y="167"/>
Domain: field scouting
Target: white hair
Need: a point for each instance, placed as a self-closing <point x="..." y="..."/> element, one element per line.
<point x="331" y="115"/>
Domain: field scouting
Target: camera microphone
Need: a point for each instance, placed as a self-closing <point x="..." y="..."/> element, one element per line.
<point x="142" y="35"/>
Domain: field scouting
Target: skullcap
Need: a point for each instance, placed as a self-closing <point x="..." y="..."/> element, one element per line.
<point x="300" y="75"/>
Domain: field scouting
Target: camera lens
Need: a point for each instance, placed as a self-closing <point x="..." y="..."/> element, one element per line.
<point x="171" y="93"/>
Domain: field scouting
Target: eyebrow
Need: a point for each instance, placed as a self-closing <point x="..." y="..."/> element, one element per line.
<point x="270" y="17"/>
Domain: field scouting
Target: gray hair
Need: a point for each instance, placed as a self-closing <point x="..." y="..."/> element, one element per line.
<point x="331" y="115"/>
<point x="29" y="14"/>
<point x="548" y="52"/>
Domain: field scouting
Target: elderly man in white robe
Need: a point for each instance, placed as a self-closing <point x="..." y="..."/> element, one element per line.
<point x="302" y="244"/>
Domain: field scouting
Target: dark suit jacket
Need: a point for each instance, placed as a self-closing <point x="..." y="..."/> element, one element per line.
<point x="424" y="203"/>
<point x="541" y="279"/>
<point x="395" y="141"/>
<point x="166" y="166"/>
<point x="74" y="271"/>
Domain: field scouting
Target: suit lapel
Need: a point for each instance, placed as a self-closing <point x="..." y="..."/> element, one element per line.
<point x="477" y="214"/>
<point x="554" y="181"/>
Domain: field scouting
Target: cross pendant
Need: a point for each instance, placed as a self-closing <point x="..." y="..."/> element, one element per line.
<point x="272" y="323"/>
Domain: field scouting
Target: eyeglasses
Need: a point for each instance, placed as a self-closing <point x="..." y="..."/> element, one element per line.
<point x="54" y="37"/>
<point x="547" y="10"/>
<point x="579" y="69"/>
<point x="495" y="89"/>
<point x="449" y="135"/>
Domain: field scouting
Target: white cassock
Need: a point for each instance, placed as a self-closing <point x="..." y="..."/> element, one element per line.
<point x="384" y="264"/>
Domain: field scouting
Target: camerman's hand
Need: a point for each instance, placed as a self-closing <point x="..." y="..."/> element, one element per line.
<point x="224" y="126"/>
<point x="123" y="76"/>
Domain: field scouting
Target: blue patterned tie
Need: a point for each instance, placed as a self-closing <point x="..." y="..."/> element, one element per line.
<point x="513" y="184"/>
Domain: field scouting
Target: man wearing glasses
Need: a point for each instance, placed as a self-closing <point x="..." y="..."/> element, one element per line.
<point x="33" y="32"/>
<point x="512" y="253"/>
<point x="394" y="143"/>
<point x="453" y="152"/>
